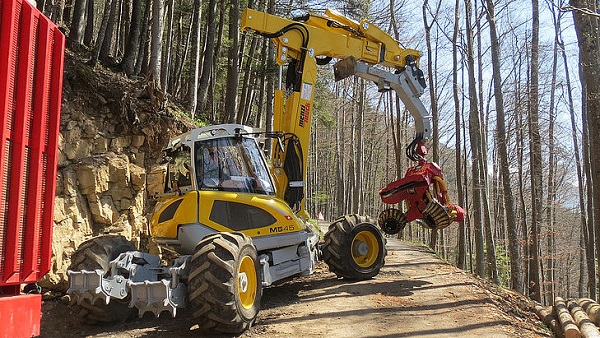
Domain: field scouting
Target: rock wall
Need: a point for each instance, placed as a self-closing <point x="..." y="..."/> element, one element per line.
<point x="111" y="135"/>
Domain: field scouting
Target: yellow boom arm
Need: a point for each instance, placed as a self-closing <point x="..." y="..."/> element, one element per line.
<point x="299" y="44"/>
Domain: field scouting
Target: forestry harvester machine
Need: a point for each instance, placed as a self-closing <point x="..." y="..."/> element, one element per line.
<point x="238" y="222"/>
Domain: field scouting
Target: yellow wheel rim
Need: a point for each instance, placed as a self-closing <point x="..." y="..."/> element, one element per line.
<point x="365" y="249"/>
<point x="247" y="282"/>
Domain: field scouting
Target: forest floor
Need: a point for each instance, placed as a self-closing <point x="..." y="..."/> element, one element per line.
<point x="415" y="295"/>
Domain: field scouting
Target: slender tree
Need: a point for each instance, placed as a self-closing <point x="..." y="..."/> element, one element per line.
<point x="195" y="60"/>
<point x="474" y="135"/>
<point x="88" y="36"/>
<point x="232" y="62"/>
<point x="107" y="42"/>
<point x="101" y="32"/>
<point x="501" y="144"/>
<point x="461" y="257"/>
<point x="157" y="36"/>
<point x="432" y="95"/>
<point x="535" y="162"/>
<point x="551" y="191"/>
<point x="587" y="26"/>
<point x="141" y="63"/>
<point x="133" y="40"/>
<point x="209" y="51"/>
<point x="167" y="55"/>
<point x="585" y="228"/>
<point x="77" y="24"/>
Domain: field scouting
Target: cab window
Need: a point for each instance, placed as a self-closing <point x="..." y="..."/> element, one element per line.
<point x="179" y="176"/>
<point x="232" y="164"/>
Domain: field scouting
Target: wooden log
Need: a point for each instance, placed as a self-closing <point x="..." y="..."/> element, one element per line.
<point x="567" y="322"/>
<point x="587" y="328"/>
<point x="548" y="317"/>
<point x="591" y="308"/>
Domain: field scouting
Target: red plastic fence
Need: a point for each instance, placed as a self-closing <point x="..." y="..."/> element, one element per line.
<point x="31" y="74"/>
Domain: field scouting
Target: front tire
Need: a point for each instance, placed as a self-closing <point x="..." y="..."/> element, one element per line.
<point x="354" y="248"/>
<point x="225" y="283"/>
<point x="97" y="253"/>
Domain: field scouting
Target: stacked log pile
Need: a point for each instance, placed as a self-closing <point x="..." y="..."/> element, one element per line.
<point x="572" y="318"/>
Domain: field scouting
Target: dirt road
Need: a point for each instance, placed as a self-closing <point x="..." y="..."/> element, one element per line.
<point x="415" y="295"/>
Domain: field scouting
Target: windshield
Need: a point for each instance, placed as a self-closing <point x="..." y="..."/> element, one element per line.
<point x="232" y="164"/>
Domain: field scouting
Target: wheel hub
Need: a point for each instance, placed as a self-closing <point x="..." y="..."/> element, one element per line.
<point x="365" y="249"/>
<point x="361" y="248"/>
<point x="243" y="281"/>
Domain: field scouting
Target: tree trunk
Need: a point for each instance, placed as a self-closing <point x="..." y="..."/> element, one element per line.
<point x="260" y="114"/>
<point x="359" y="163"/>
<point x="183" y="59"/>
<point x="475" y="149"/>
<point x="156" y="44"/>
<point x="433" y="100"/>
<point x="77" y="25"/>
<point x="232" y="62"/>
<point x="551" y="193"/>
<point x="107" y="42"/>
<point x="587" y="27"/>
<point x="57" y="11"/>
<point x="501" y="144"/>
<point x="209" y="52"/>
<point x="101" y="32"/>
<point x="125" y="27"/>
<point x="133" y="40"/>
<point x="585" y="149"/>
<point x="195" y="58"/>
<point x="461" y="258"/>
<point x="166" y="62"/>
<point x="585" y="228"/>
<point x="141" y="63"/>
<point x="246" y="86"/>
<point x="88" y="36"/>
<point x="535" y="163"/>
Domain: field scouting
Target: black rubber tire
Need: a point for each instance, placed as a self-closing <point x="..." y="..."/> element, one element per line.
<point x="213" y="284"/>
<point x="337" y="247"/>
<point x="97" y="253"/>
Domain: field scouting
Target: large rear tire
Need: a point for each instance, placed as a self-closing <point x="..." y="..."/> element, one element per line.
<point x="97" y="253"/>
<point x="225" y="283"/>
<point x="354" y="248"/>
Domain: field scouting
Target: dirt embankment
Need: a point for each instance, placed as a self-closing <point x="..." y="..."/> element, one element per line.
<point x="415" y="295"/>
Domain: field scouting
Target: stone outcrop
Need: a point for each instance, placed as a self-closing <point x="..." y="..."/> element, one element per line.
<point x="109" y="144"/>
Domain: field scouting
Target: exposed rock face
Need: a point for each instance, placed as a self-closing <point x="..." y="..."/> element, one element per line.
<point x="109" y="141"/>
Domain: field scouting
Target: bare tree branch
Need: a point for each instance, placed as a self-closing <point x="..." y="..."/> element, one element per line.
<point x="581" y="10"/>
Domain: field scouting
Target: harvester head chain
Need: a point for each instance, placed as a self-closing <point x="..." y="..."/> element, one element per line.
<point x="91" y="285"/>
<point x="392" y="221"/>
<point x="436" y="216"/>
<point x="157" y="297"/>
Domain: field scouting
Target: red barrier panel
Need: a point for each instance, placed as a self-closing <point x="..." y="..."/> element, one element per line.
<point x="31" y="74"/>
<point x="20" y="315"/>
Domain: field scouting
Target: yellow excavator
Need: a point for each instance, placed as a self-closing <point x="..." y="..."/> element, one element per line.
<point x="238" y="221"/>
